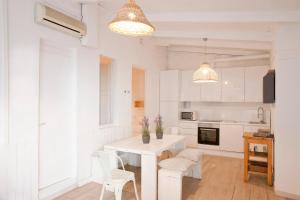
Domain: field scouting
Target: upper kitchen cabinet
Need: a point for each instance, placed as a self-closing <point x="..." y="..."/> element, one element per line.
<point x="254" y="83"/>
<point x="233" y="85"/>
<point x="169" y="85"/>
<point x="212" y="91"/>
<point x="190" y="91"/>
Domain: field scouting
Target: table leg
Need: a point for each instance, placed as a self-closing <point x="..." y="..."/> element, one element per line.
<point x="270" y="163"/>
<point x="149" y="177"/>
<point x="246" y="159"/>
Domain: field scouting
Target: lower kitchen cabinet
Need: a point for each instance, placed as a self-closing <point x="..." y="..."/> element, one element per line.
<point x="231" y="137"/>
<point x="191" y="140"/>
<point x="190" y="130"/>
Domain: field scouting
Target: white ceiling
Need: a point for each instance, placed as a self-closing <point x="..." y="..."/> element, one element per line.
<point x="163" y="6"/>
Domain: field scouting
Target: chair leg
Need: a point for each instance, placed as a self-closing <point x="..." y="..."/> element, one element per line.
<point x="118" y="194"/>
<point x="135" y="190"/>
<point x="102" y="192"/>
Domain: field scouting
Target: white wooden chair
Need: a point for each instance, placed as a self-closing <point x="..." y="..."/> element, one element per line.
<point x="114" y="179"/>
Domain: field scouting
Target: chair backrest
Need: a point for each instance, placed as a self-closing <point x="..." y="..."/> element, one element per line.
<point x="107" y="162"/>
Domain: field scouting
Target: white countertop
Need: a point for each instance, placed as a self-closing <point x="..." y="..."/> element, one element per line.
<point x="226" y="122"/>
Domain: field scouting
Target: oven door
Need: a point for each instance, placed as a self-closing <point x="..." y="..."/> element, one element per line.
<point x="209" y="136"/>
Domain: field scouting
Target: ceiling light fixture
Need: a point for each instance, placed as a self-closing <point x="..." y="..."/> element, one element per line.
<point x="131" y="20"/>
<point x="205" y="73"/>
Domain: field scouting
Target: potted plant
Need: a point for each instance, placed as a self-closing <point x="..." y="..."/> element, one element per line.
<point x="159" y="129"/>
<point x="145" y="130"/>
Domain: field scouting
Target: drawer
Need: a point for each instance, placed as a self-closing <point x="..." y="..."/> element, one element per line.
<point x="188" y="125"/>
<point x="188" y="131"/>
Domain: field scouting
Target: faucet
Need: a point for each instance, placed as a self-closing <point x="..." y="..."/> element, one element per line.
<point x="261" y="114"/>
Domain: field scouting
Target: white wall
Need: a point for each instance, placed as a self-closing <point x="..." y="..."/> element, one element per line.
<point x="3" y="100"/>
<point x="21" y="154"/>
<point x="241" y="112"/>
<point x="125" y="52"/>
<point x="287" y="148"/>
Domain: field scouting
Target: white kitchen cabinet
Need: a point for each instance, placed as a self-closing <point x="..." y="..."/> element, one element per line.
<point x="212" y="91"/>
<point x="233" y="85"/>
<point x="190" y="130"/>
<point x="231" y="137"/>
<point x="191" y="141"/>
<point x="169" y="85"/>
<point x="190" y="91"/>
<point x="254" y="83"/>
<point x="169" y="111"/>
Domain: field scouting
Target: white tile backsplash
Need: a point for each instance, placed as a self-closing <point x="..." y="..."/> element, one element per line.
<point x="241" y="112"/>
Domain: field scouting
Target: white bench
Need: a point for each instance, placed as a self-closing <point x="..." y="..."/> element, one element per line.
<point x="186" y="163"/>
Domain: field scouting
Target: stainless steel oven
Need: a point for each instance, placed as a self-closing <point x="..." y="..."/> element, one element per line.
<point x="209" y="133"/>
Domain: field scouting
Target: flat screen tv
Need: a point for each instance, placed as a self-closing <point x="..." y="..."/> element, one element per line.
<point x="269" y="87"/>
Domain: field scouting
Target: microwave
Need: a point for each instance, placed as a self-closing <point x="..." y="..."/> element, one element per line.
<point x="191" y="116"/>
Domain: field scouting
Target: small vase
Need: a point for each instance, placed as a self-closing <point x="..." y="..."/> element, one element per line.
<point x="146" y="138"/>
<point x="159" y="134"/>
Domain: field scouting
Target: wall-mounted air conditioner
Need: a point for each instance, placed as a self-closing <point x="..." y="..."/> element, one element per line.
<point x="58" y="20"/>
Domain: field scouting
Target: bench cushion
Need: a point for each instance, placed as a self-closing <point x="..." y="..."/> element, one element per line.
<point x="191" y="154"/>
<point x="176" y="163"/>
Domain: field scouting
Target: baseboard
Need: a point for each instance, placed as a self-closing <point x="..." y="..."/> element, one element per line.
<point x="84" y="181"/>
<point x="223" y="153"/>
<point x="287" y="195"/>
<point x="57" y="189"/>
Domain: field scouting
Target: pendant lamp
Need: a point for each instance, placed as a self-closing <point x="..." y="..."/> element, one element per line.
<point x="131" y="21"/>
<point x="205" y="73"/>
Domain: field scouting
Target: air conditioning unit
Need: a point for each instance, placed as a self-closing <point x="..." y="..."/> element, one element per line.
<point x="59" y="21"/>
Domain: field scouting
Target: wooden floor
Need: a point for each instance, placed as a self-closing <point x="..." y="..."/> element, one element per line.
<point x="222" y="180"/>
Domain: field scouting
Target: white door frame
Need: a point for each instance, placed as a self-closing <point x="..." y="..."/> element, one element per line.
<point x="145" y="93"/>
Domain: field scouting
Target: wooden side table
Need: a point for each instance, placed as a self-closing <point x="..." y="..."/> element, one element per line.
<point x="260" y="165"/>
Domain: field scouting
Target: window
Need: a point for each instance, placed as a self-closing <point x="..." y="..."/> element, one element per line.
<point x="105" y="90"/>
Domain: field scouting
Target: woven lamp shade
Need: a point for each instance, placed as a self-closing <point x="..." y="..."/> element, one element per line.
<point x="205" y="74"/>
<point x="131" y="20"/>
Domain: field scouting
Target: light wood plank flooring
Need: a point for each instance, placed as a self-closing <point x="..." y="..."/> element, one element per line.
<point x="222" y="180"/>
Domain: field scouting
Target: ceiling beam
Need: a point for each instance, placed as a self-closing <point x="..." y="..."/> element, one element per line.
<point x="216" y="51"/>
<point x="274" y="16"/>
<point x="222" y="35"/>
<point x="237" y="58"/>
<point x="232" y="44"/>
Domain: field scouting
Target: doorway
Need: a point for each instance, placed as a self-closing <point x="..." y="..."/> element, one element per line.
<point x="138" y="98"/>
<point x="57" y="128"/>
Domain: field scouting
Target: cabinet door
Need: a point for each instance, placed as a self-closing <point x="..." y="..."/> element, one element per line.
<point x="231" y="138"/>
<point x="190" y="91"/>
<point x="212" y="91"/>
<point x="254" y="83"/>
<point x="233" y="85"/>
<point x="170" y="114"/>
<point x="191" y="141"/>
<point x="169" y="85"/>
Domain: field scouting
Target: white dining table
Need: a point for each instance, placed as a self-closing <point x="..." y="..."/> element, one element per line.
<point x="149" y="153"/>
